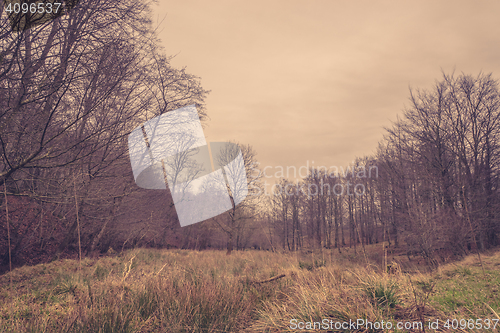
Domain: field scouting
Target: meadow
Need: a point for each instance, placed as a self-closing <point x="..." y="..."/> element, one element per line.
<point x="150" y="290"/>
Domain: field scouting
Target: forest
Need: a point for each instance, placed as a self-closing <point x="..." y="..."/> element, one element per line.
<point x="431" y="186"/>
<point x="73" y="87"/>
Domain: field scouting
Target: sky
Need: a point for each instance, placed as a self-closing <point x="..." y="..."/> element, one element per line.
<point x="315" y="82"/>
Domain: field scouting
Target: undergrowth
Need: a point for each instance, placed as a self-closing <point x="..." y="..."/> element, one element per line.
<point x="149" y="290"/>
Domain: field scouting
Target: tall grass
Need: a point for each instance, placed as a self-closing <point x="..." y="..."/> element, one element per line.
<point x="189" y="291"/>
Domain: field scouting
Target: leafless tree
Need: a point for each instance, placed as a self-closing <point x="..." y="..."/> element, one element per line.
<point x="245" y="190"/>
<point x="71" y="90"/>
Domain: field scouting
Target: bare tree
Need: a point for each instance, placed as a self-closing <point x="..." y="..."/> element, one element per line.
<point x="242" y="182"/>
<point x="440" y="162"/>
<point x="71" y="91"/>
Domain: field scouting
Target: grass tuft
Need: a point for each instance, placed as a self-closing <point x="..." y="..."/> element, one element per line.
<point x="383" y="294"/>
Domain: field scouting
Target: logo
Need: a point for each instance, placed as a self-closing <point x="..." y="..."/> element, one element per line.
<point x="205" y="179"/>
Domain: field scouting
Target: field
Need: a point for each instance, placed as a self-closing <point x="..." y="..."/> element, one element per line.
<point x="146" y="290"/>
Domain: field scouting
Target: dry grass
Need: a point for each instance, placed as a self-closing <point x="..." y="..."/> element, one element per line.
<point x="189" y="291"/>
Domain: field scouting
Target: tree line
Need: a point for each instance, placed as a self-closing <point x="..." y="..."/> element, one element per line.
<point x="435" y="187"/>
<point x="71" y="90"/>
<point x="73" y="87"/>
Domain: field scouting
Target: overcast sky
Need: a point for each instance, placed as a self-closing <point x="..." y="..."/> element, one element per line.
<point x="318" y="80"/>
